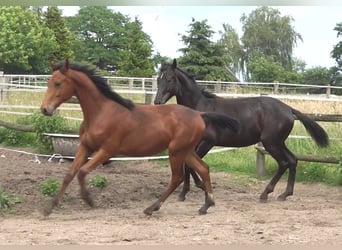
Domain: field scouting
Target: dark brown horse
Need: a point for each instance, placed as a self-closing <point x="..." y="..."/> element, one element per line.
<point x="262" y="119"/>
<point x="113" y="125"/>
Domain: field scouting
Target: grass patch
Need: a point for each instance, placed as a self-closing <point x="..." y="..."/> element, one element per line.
<point x="7" y="201"/>
<point x="49" y="187"/>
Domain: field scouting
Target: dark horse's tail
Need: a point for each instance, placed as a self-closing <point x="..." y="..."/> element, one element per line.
<point x="221" y="120"/>
<point x="314" y="129"/>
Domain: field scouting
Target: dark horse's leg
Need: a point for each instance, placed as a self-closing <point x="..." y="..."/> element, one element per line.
<point x="285" y="159"/>
<point x="202" y="149"/>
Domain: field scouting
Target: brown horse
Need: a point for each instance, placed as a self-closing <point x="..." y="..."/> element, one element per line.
<point x="262" y="119"/>
<point x="113" y="125"/>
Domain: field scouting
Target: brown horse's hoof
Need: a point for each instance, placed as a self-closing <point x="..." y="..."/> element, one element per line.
<point x="49" y="207"/>
<point x="87" y="198"/>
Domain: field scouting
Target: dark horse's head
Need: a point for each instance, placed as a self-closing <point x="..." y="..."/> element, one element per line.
<point x="168" y="83"/>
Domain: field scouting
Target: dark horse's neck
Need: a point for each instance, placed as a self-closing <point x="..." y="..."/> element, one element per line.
<point x="190" y="94"/>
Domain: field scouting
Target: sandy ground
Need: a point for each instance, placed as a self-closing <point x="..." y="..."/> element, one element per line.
<point x="313" y="216"/>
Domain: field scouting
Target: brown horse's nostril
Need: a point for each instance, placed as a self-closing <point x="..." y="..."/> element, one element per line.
<point x="45" y="111"/>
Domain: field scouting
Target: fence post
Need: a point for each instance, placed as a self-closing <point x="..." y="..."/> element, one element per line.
<point x="149" y="97"/>
<point x="328" y="91"/>
<point x="2" y="80"/>
<point x="260" y="161"/>
<point x="276" y="87"/>
<point x="130" y="87"/>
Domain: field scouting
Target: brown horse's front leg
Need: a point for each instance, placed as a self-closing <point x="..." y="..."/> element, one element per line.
<point x="80" y="159"/>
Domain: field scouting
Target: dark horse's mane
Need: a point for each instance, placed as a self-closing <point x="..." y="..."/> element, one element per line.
<point x="206" y="93"/>
<point x="100" y="83"/>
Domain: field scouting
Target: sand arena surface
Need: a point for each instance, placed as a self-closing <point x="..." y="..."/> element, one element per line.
<point x="313" y="216"/>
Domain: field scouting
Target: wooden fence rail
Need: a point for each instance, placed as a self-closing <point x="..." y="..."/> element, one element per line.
<point x="261" y="152"/>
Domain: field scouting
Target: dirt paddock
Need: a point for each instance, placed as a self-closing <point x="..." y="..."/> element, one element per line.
<point x="313" y="216"/>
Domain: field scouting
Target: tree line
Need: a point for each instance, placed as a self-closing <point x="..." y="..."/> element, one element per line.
<point x="30" y="37"/>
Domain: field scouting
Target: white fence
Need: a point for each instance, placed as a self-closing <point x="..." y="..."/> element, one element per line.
<point x="148" y="87"/>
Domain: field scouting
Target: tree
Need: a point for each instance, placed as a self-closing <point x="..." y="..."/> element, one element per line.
<point x="201" y="55"/>
<point x="56" y="23"/>
<point x="268" y="34"/>
<point x="25" y="45"/>
<point x="233" y="51"/>
<point x="336" y="53"/>
<point x="100" y="35"/>
<point x="316" y="76"/>
<point x="135" y="56"/>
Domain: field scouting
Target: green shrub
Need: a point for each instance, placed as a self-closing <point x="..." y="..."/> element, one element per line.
<point x="98" y="181"/>
<point x="6" y="202"/>
<point x="49" y="187"/>
<point x="47" y="124"/>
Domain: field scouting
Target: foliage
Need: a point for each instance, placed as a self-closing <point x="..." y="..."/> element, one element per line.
<point x="336" y="53"/>
<point x="49" y="187"/>
<point x="25" y="44"/>
<point x="47" y="124"/>
<point x="99" y="35"/>
<point x="266" y="70"/>
<point x="57" y="24"/>
<point x="98" y="181"/>
<point x="6" y="202"/>
<point x="135" y="58"/>
<point x="268" y="34"/>
<point x="316" y="76"/>
<point x="12" y="137"/>
<point x="233" y="51"/>
<point x="201" y="55"/>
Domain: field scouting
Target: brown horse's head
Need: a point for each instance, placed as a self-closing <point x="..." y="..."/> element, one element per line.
<point x="59" y="88"/>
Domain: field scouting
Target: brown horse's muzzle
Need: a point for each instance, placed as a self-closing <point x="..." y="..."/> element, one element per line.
<point x="47" y="110"/>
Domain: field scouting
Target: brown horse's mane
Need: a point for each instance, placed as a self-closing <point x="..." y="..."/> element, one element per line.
<point x="100" y="83"/>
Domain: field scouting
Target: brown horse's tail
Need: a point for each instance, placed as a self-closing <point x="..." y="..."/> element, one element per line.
<point x="314" y="129"/>
<point x="221" y="120"/>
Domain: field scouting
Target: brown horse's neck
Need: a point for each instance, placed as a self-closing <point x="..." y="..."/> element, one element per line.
<point x="90" y="98"/>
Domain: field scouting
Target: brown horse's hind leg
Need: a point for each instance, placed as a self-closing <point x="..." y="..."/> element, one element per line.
<point x="176" y="164"/>
<point x="203" y="170"/>
<point x="80" y="159"/>
<point x="100" y="157"/>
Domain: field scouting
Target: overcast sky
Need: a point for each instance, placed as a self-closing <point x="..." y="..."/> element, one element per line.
<point x="165" y="23"/>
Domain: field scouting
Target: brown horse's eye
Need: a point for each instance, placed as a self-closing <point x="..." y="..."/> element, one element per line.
<point x="58" y="84"/>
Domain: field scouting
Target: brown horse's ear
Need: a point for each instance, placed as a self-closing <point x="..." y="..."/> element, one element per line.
<point x="174" y="63"/>
<point x="65" y="67"/>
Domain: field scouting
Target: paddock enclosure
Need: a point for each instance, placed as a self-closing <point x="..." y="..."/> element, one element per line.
<point x="311" y="217"/>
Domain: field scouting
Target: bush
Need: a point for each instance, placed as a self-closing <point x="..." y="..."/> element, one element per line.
<point x="47" y="124"/>
<point x="49" y="187"/>
<point x="7" y="202"/>
<point x="98" y="181"/>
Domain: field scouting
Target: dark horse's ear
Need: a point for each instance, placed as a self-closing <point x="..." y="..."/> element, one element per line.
<point x="174" y="64"/>
<point x="52" y="66"/>
<point x="65" y="66"/>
